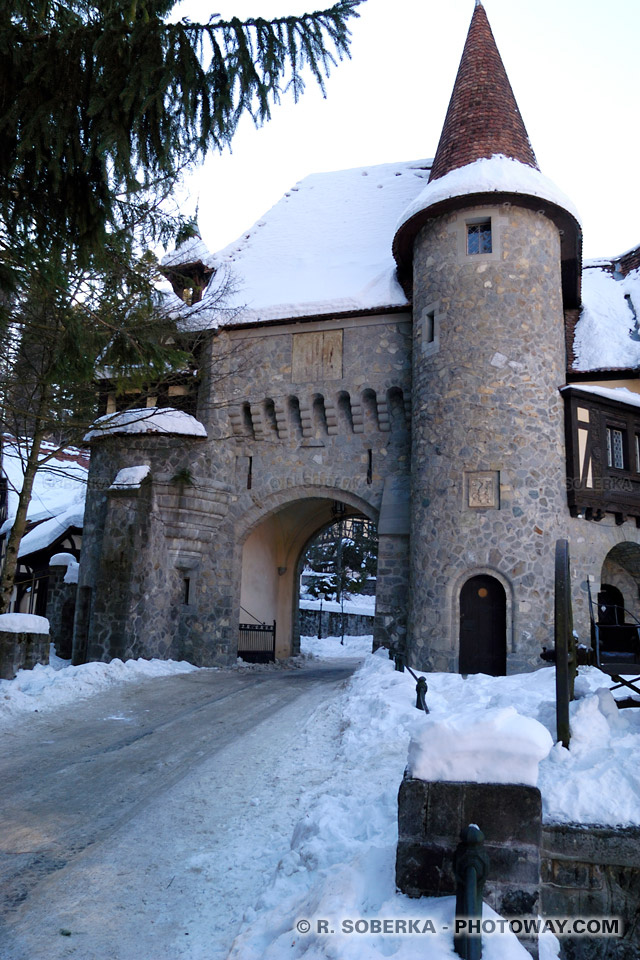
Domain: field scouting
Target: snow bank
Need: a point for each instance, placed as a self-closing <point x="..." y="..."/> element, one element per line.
<point x="47" y="687"/>
<point x="341" y="860"/>
<point x="330" y="648"/>
<point x="602" y="336"/>
<point x="501" y="746"/>
<point x="23" y="623"/>
<point x="498" y="174"/>
<point x="130" y="478"/>
<point x="147" y="420"/>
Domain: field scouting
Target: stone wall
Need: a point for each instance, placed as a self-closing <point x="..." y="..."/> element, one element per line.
<point x="568" y="870"/>
<point x="21" y="651"/>
<point x="291" y="429"/>
<point x="61" y="605"/>
<point x="431" y="817"/>
<point x="487" y="419"/>
<point x="592" y="871"/>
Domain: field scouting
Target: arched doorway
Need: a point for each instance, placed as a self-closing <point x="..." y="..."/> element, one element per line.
<point x="270" y="566"/>
<point x="483" y="626"/>
<point x="618" y="607"/>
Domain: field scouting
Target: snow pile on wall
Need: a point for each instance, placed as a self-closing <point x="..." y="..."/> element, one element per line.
<point x="609" y="308"/>
<point x="497" y="174"/>
<point x="130" y="478"/>
<point x="47" y="687"/>
<point x="500" y="746"/>
<point x="69" y="561"/>
<point x="23" y="623"/>
<point x="164" y="420"/>
<point x="325" y="248"/>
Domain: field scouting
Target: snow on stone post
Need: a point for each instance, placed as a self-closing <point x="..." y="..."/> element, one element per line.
<point x="480" y="769"/>
<point x="24" y="641"/>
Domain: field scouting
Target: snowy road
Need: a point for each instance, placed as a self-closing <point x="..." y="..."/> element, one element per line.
<point x="155" y="812"/>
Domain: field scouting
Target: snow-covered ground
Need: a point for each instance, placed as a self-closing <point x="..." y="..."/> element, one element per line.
<point x="331" y="647"/>
<point x="47" y="687"/>
<point x="339" y="862"/>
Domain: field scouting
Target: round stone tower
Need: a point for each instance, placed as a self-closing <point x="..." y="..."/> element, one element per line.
<point x="490" y="254"/>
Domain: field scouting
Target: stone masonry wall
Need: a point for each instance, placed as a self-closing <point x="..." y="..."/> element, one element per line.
<point x="431" y="817"/>
<point x="288" y="420"/>
<point x="487" y="408"/>
<point x="590" y="871"/>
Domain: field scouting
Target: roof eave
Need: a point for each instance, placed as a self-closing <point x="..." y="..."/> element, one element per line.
<point x="568" y="228"/>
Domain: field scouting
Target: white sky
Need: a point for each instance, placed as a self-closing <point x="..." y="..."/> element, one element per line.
<point x="573" y="65"/>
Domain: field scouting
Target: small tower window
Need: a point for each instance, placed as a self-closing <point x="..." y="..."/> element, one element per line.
<point x="479" y="237"/>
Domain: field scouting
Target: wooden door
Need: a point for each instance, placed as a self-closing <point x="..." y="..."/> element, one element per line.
<point x="483" y="627"/>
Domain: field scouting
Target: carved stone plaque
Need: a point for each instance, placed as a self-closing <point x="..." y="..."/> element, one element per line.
<point x="483" y="489"/>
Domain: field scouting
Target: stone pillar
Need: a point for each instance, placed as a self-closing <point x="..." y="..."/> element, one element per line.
<point x="430" y="819"/>
<point x="22" y="647"/>
<point x="61" y="604"/>
<point x="488" y="467"/>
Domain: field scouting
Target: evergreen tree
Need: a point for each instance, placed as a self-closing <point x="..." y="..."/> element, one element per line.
<point x="344" y="556"/>
<point x="102" y="99"/>
<point x="65" y="328"/>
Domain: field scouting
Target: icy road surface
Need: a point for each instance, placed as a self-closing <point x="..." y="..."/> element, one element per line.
<point x="156" y="810"/>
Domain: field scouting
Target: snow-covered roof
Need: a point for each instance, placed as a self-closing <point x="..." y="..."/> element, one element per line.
<point x="621" y="394"/>
<point x="325" y="248"/>
<point x="58" y="495"/>
<point x="47" y="532"/>
<point x="603" y="334"/>
<point x="191" y="250"/>
<point x="147" y="420"/>
<point x="498" y="174"/>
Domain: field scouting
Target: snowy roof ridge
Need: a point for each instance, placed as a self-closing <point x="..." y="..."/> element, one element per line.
<point x="483" y="118"/>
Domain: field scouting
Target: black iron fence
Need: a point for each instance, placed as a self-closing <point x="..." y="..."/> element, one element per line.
<point x="257" y="642"/>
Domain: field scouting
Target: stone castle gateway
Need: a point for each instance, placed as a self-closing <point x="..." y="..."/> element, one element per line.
<point x="405" y="343"/>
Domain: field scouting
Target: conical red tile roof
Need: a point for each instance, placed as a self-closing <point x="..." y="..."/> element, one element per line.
<point x="483" y="118"/>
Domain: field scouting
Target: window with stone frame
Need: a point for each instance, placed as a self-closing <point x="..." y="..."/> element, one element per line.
<point x="479" y="238"/>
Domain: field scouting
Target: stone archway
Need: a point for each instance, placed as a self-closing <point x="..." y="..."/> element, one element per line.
<point x="271" y="552"/>
<point x="621" y="570"/>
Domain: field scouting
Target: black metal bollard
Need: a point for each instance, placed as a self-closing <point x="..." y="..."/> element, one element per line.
<point x="421" y="694"/>
<point x="471" y="866"/>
